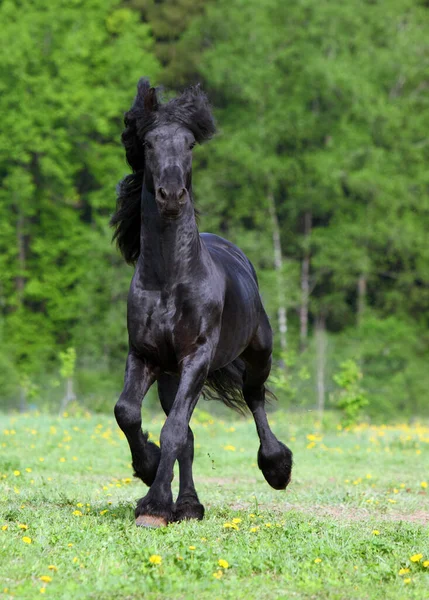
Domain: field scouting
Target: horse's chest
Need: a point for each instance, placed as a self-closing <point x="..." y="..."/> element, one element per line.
<point x="160" y="325"/>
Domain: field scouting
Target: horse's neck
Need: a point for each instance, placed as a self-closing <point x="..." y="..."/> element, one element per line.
<point x="170" y="250"/>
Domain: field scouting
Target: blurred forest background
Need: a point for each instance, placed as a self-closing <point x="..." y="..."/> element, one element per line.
<point x="319" y="172"/>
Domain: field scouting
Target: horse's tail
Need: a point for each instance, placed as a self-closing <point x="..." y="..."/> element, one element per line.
<point x="226" y="384"/>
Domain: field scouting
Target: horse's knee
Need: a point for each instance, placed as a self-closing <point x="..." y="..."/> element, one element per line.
<point x="127" y="416"/>
<point x="276" y="465"/>
<point x="174" y="437"/>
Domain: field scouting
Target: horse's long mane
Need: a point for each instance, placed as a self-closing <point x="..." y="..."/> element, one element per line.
<point x="192" y="110"/>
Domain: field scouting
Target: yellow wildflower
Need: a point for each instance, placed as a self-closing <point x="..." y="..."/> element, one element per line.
<point x="28" y="470"/>
<point x="375" y="532"/>
<point x="17" y="473"/>
<point x="77" y="513"/>
<point x="426" y="563"/>
<point x="79" y="504"/>
<point x="23" y="526"/>
<point x="103" y="512"/>
<point x="408" y="580"/>
<point x="4" y="527"/>
<point x="155" y="559"/>
<point x="223" y="563"/>
<point x="416" y="557"/>
<point x="229" y="447"/>
<point x="218" y="574"/>
<point x="230" y="526"/>
<point x="317" y="560"/>
<point x="236" y="520"/>
<point x="403" y="571"/>
<point x="42" y="590"/>
<point x="424" y="484"/>
<point x="45" y="578"/>
<point x="191" y="547"/>
<point x="53" y="568"/>
<point x="27" y="540"/>
<point x="253" y="529"/>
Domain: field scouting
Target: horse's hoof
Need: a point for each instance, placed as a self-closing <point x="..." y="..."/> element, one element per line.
<point x="150" y="521"/>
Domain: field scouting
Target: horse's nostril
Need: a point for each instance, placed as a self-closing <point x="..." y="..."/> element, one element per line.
<point x="162" y="192"/>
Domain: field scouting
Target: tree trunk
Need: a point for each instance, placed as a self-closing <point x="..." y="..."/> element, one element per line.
<point x="278" y="265"/>
<point x="321" y="345"/>
<point x="305" y="283"/>
<point x="69" y="396"/>
<point x="361" y="301"/>
<point x="20" y="279"/>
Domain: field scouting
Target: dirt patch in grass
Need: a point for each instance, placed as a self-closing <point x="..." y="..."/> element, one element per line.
<point x="340" y="512"/>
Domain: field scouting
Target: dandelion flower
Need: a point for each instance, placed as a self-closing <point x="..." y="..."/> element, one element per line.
<point x="29" y="470"/>
<point x="5" y="527"/>
<point x="155" y="559"/>
<point x="45" y="578"/>
<point x="27" y="540"/>
<point x="375" y="532"/>
<point x="408" y="580"/>
<point x="223" y="563"/>
<point x="426" y="563"/>
<point x="23" y="526"/>
<point x="69" y="545"/>
<point x="416" y="557"/>
<point x="17" y="473"/>
<point x="42" y="590"/>
<point x="79" y="504"/>
<point x="77" y="513"/>
<point x="317" y="560"/>
<point x="403" y="571"/>
<point x="424" y="484"/>
<point x="253" y="529"/>
<point x="191" y="547"/>
<point x="236" y="520"/>
<point x="218" y="574"/>
<point x="53" y="568"/>
<point x="103" y="512"/>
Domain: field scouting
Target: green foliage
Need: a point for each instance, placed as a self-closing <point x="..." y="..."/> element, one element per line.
<point x="321" y="105"/>
<point x="68" y="363"/>
<point x="351" y="399"/>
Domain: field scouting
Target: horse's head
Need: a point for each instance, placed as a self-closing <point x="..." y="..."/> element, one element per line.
<point x="159" y="139"/>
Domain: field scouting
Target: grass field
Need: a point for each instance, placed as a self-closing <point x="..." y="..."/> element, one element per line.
<point x="354" y="522"/>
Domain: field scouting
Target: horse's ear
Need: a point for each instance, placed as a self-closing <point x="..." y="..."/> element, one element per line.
<point x="146" y="97"/>
<point x="151" y="103"/>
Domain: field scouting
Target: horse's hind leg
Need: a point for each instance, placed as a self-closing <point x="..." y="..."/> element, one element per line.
<point x="274" y="458"/>
<point x="145" y="455"/>
<point x="187" y="504"/>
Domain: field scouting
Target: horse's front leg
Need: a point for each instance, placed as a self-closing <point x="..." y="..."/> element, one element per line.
<point x="156" y="508"/>
<point x="188" y="505"/>
<point x="139" y="376"/>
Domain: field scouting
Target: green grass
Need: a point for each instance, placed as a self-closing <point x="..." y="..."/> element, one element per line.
<point x="345" y="486"/>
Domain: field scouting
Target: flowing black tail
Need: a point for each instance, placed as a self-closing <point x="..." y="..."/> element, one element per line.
<point x="226" y="385"/>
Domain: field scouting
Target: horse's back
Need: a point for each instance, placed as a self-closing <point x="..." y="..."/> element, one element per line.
<point x="243" y="309"/>
<point x="229" y="257"/>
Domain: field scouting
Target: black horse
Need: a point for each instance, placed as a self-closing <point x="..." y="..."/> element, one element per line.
<point x="195" y="317"/>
